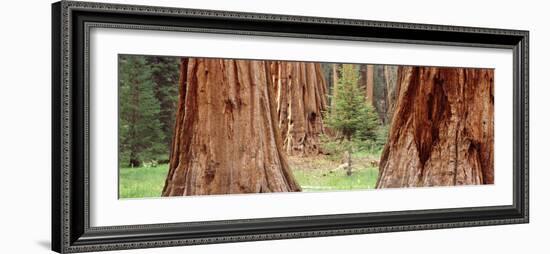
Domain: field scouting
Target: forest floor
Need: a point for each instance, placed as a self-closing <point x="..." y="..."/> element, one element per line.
<point x="317" y="173"/>
<point x="322" y="173"/>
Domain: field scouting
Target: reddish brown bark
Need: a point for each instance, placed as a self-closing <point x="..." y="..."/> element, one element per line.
<point x="368" y="77"/>
<point x="442" y="129"/>
<point x="301" y="101"/>
<point x="226" y="138"/>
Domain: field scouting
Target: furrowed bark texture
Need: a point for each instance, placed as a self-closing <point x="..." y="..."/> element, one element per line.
<point x="442" y="129"/>
<point x="301" y="99"/>
<point x="226" y="138"/>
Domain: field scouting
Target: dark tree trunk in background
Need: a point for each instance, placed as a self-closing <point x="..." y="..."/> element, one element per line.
<point x="301" y="92"/>
<point x="385" y="88"/>
<point x="442" y="129"/>
<point x="335" y="74"/>
<point x="392" y="91"/>
<point x="363" y="82"/>
<point x="135" y="161"/>
<point x="226" y="137"/>
<point x="380" y="94"/>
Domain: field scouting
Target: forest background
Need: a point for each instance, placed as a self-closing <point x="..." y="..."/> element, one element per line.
<point x="344" y="154"/>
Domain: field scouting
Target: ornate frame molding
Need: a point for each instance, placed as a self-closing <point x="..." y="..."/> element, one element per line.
<point x="71" y="22"/>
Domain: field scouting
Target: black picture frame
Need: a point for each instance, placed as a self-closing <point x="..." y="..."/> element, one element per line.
<point x="71" y="231"/>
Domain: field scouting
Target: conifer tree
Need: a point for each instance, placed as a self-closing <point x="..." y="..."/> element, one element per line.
<point x="164" y="77"/>
<point x="139" y="125"/>
<point x="352" y="116"/>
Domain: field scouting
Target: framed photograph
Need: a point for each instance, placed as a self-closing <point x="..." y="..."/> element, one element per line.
<point x="178" y="126"/>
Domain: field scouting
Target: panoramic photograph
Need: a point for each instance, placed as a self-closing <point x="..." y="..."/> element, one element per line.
<point x="213" y="126"/>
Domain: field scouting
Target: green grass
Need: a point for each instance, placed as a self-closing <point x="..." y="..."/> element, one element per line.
<point x="142" y="182"/>
<point x="321" y="173"/>
<point x="320" y="180"/>
<point x="318" y="173"/>
<point x="368" y="154"/>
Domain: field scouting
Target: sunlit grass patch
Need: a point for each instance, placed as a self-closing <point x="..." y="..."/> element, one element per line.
<point x="326" y="180"/>
<point x="142" y="182"/>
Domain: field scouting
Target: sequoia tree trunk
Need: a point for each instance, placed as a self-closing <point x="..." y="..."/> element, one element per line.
<point x="226" y="138"/>
<point x="335" y="76"/>
<point x="368" y="76"/>
<point x="442" y="129"/>
<point x="301" y="99"/>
